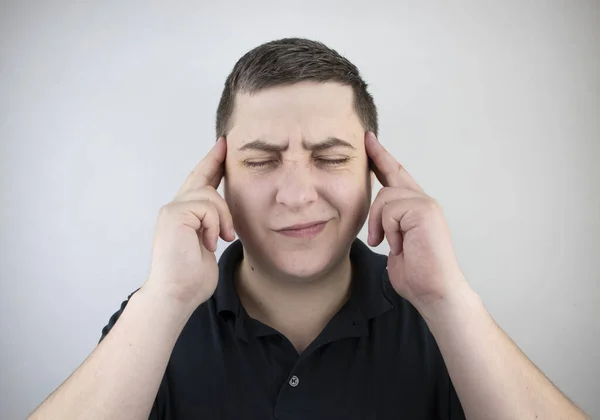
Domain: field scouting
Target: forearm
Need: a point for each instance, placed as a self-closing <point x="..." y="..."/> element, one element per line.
<point x="492" y="377"/>
<point x="120" y="379"/>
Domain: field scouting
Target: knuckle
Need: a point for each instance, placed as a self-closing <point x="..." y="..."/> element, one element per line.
<point x="166" y="209"/>
<point x="387" y="218"/>
<point x="385" y="191"/>
<point x="387" y="212"/>
<point x="209" y="208"/>
<point x="431" y="205"/>
<point x="384" y="195"/>
<point x="381" y="192"/>
<point x="388" y="194"/>
<point x="396" y="169"/>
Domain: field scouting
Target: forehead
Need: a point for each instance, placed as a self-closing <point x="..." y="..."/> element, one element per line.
<point x="306" y="110"/>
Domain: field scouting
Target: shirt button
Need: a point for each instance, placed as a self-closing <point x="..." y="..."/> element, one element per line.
<point x="294" y="381"/>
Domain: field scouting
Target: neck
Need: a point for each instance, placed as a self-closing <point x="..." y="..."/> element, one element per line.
<point x="297" y="308"/>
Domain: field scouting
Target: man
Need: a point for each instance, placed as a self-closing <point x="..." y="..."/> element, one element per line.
<point x="300" y="319"/>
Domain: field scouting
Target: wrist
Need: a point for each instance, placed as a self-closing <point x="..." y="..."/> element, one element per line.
<point x="168" y="308"/>
<point x="182" y="296"/>
<point x="459" y="303"/>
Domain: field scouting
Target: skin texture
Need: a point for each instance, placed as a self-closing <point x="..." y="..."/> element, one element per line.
<point x="297" y="284"/>
<point x="296" y="154"/>
<point x="297" y="185"/>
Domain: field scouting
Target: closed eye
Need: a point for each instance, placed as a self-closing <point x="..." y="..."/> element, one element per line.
<point x="260" y="164"/>
<point x="332" y="162"/>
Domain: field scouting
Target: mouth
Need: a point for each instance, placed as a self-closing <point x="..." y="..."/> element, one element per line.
<point x="304" y="230"/>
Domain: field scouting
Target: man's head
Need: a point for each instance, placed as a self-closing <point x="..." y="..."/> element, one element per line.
<point x="295" y="113"/>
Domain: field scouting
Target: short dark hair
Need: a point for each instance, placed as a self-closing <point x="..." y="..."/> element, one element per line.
<point x="288" y="61"/>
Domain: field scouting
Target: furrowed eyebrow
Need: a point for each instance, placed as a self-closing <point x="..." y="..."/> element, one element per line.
<point x="263" y="146"/>
<point x="329" y="143"/>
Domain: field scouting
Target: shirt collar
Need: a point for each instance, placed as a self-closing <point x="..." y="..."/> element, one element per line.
<point x="367" y="298"/>
<point x="368" y="282"/>
<point x="226" y="297"/>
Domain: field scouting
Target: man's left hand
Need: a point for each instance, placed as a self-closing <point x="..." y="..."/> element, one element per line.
<point x="422" y="265"/>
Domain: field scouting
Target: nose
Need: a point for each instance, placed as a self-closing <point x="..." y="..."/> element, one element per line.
<point x="296" y="187"/>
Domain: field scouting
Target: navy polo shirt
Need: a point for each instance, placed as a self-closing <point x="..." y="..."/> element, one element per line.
<point x="375" y="359"/>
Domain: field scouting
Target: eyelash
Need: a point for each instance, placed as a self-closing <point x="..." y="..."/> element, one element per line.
<point x="265" y="163"/>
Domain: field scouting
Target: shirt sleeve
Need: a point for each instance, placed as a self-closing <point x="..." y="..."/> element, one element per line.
<point x="114" y="318"/>
<point x="160" y="408"/>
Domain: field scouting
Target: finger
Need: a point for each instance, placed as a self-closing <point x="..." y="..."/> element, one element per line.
<point x="209" y="223"/>
<point x="202" y="216"/>
<point x="401" y="216"/>
<point x="388" y="170"/>
<point x="384" y="196"/>
<point x="227" y="231"/>
<point x="209" y="170"/>
<point x="391" y="226"/>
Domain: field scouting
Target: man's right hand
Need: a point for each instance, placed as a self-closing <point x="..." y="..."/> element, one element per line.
<point x="184" y="266"/>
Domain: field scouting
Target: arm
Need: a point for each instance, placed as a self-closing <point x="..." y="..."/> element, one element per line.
<point x="121" y="377"/>
<point x="492" y="377"/>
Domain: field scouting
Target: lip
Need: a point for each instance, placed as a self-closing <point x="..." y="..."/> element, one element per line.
<point x="300" y="226"/>
<point x="304" y="230"/>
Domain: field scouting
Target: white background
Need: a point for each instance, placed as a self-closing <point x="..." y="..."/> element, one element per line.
<point x="106" y="106"/>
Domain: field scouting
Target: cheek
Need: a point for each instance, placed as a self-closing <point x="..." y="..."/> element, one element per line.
<point x="246" y="196"/>
<point x="349" y="194"/>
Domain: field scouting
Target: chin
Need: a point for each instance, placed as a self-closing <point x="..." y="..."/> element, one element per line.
<point x="305" y="259"/>
<point x="299" y="258"/>
<point x="303" y="264"/>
